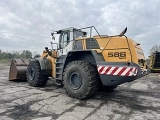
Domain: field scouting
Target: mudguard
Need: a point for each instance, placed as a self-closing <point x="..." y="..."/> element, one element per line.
<point x="45" y="63"/>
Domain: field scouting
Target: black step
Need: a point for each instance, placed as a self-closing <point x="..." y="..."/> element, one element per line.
<point x="58" y="73"/>
<point x="58" y="67"/>
<point x="59" y="62"/>
<point x="58" y="82"/>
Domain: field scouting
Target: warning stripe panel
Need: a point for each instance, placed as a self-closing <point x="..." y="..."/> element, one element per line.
<point x="101" y="69"/>
<point x="119" y="71"/>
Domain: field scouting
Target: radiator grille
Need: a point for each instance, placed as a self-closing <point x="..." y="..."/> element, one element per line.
<point x="91" y="43"/>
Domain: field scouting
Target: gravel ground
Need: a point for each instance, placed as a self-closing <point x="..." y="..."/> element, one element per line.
<point x="137" y="100"/>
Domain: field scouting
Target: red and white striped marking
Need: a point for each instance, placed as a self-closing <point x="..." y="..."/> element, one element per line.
<point x="119" y="71"/>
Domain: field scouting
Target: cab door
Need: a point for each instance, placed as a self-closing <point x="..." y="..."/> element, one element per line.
<point x="65" y="43"/>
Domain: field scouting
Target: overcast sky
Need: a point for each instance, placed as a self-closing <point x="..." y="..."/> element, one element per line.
<point x="27" y="24"/>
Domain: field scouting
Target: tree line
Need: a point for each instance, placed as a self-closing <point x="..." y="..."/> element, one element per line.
<point x="155" y="48"/>
<point x="16" y="54"/>
<point x="28" y="55"/>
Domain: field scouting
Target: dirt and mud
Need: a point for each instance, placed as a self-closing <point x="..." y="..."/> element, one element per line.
<point x="137" y="100"/>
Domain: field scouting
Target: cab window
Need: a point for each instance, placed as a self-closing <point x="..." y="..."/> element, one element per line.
<point x="78" y="34"/>
<point x="64" y="39"/>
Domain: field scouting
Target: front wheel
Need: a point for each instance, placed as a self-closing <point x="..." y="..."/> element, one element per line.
<point x="80" y="79"/>
<point x="34" y="75"/>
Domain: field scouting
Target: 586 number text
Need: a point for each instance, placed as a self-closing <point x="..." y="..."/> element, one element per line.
<point x="121" y="55"/>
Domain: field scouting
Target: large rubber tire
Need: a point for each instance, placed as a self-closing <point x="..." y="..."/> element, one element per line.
<point x="80" y="79"/>
<point x="34" y="75"/>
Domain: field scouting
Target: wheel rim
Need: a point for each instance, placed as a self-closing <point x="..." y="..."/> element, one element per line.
<point x="75" y="80"/>
<point x="31" y="74"/>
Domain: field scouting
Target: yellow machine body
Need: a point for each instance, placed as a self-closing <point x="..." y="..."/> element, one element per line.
<point x="119" y="49"/>
<point x="113" y="49"/>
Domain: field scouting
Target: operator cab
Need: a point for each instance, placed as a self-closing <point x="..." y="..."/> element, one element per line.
<point x="67" y="35"/>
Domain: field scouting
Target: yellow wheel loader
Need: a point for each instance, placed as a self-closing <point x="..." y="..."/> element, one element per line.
<point x="83" y="63"/>
<point x="155" y="62"/>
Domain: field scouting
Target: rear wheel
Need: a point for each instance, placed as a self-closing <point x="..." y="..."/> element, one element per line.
<point x="80" y="79"/>
<point x="34" y="75"/>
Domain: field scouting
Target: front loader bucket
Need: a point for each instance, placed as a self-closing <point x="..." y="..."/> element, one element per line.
<point x="18" y="69"/>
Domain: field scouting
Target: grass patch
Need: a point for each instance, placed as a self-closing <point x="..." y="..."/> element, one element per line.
<point x="5" y="62"/>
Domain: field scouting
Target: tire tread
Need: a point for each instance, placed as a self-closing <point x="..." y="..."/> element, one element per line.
<point x="92" y="78"/>
<point x="41" y="80"/>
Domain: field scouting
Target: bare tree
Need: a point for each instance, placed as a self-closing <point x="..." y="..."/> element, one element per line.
<point x="154" y="49"/>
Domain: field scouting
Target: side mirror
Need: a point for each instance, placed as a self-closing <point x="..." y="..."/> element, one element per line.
<point x="52" y="34"/>
<point x="53" y="37"/>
